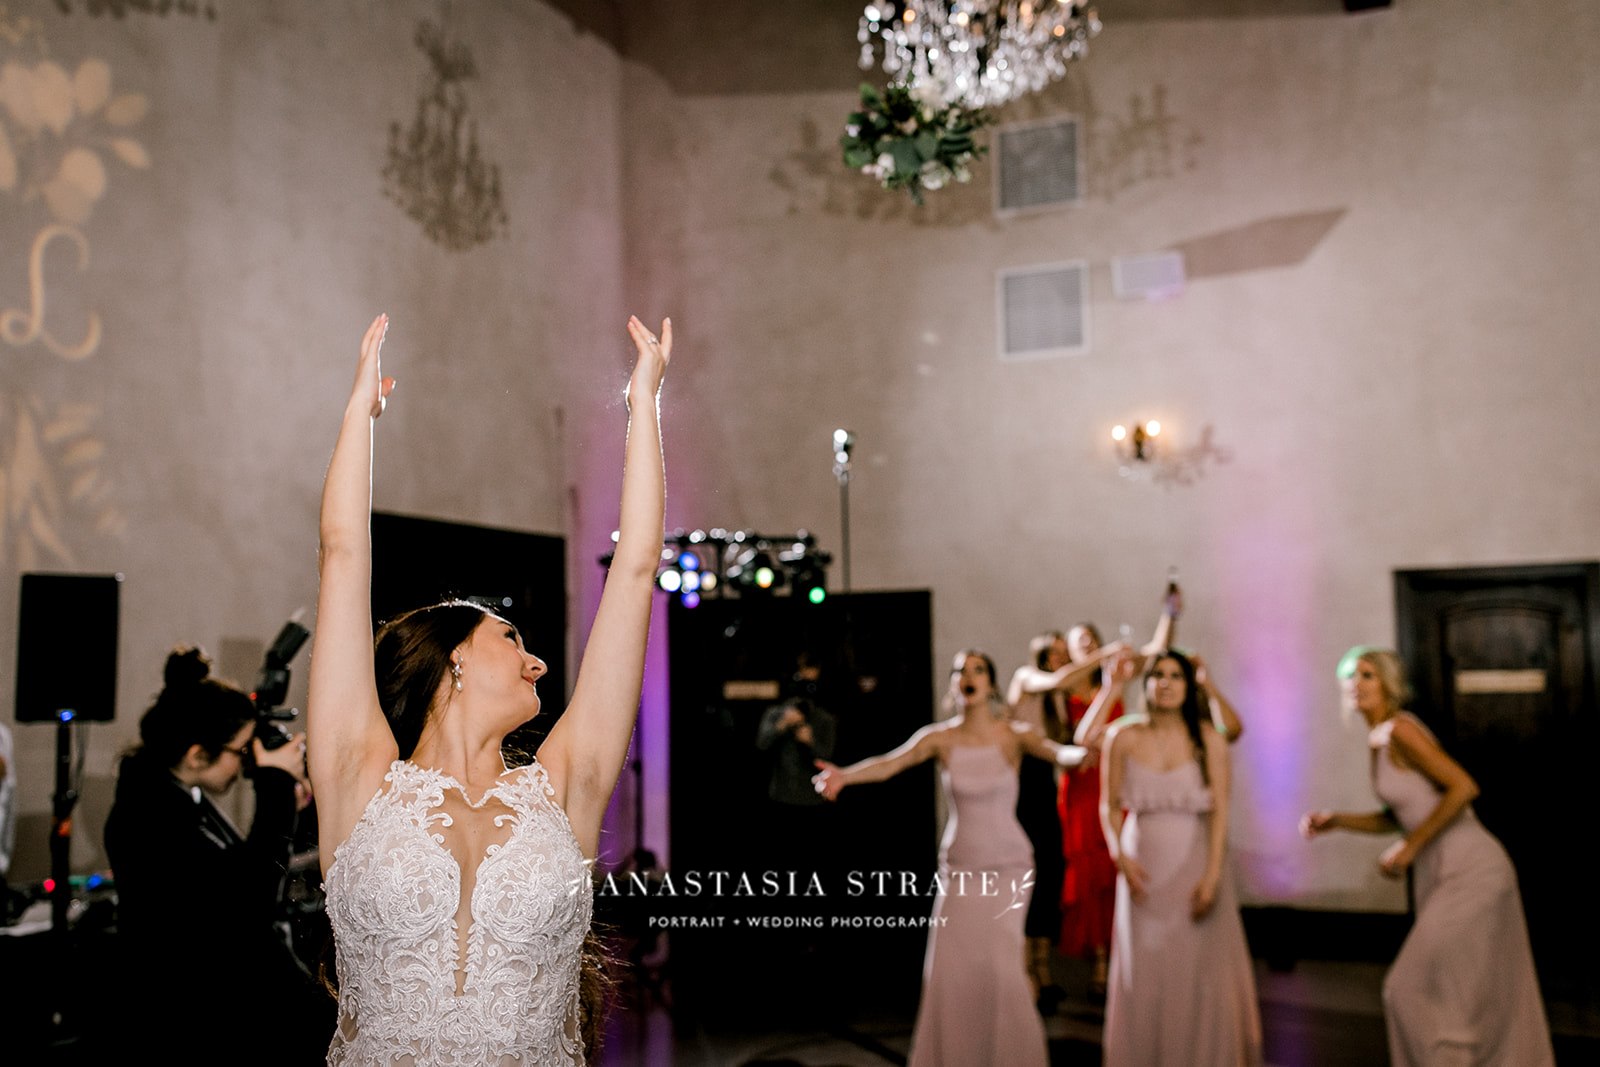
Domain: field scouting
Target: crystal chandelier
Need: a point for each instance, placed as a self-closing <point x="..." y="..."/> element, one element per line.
<point x="979" y="53"/>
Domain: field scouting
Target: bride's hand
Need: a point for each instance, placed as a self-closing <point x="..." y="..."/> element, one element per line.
<point x="654" y="355"/>
<point x="371" y="389"/>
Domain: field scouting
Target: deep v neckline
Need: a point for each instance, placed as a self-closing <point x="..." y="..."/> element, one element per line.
<point x="440" y="928"/>
<point x="515" y="812"/>
<point x="469" y="948"/>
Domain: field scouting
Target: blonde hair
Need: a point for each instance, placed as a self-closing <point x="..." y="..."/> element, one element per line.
<point x="1385" y="663"/>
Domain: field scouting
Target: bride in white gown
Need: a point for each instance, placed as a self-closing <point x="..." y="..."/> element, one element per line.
<point x="459" y="890"/>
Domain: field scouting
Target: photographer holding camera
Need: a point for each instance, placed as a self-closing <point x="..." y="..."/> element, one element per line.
<point x="197" y="899"/>
<point x="797" y="733"/>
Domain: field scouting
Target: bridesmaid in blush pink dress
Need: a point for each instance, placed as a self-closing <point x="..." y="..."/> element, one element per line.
<point x="1181" y="990"/>
<point x="1463" y="990"/>
<point x="977" y="1008"/>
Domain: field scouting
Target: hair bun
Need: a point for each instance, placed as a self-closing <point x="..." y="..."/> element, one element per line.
<point x="186" y="665"/>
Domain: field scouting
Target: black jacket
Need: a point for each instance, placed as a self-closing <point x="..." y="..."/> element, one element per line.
<point x="204" y="972"/>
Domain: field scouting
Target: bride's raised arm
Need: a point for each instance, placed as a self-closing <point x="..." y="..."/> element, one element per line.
<point x="349" y="744"/>
<point x="585" y="751"/>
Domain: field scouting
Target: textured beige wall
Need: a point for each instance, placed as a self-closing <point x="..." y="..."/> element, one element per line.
<point x="1414" y="388"/>
<point x="233" y="277"/>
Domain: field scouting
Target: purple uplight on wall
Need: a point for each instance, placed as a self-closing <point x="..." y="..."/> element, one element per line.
<point x="642" y="792"/>
<point x="1267" y="586"/>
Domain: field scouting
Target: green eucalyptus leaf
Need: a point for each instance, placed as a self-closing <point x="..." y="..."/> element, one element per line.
<point x="904" y="153"/>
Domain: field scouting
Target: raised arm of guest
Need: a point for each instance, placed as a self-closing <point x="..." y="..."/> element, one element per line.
<point x="1166" y="630"/>
<point x="1029" y="679"/>
<point x="1092" y="727"/>
<point x="1223" y="716"/>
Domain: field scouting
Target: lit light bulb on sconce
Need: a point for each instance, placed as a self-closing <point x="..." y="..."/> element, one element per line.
<point x="1138" y="443"/>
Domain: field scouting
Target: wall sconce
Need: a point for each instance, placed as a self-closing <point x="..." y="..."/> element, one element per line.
<point x="1138" y="444"/>
<point x="1139" y="460"/>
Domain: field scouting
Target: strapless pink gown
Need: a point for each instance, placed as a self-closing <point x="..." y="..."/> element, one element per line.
<point x="1463" y="990"/>
<point x="977" y="1008"/>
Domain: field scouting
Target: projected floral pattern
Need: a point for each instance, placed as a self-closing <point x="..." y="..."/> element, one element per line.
<point x="1145" y="143"/>
<point x="435" y="169"/>
<point x="64" y="134"/>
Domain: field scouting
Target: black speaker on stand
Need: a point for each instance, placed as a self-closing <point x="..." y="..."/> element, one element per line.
<point x="66" y="673"/>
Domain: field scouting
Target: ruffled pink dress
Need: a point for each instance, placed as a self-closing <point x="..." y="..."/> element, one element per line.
<point x="1181" y="993"/>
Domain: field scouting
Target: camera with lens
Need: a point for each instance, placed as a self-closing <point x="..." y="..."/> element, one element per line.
<point x="272" y="687"/>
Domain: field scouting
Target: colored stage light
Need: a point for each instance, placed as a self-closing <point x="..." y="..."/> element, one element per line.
<point x="671" y="581"/>
<point x="691" y="581"/>
<point x="691" y="600"/>
<point x="817" y="595"/>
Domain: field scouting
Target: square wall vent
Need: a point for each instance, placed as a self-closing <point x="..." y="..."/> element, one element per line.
<point x="1037" y="165"/>
<point x="1043" y="311"/>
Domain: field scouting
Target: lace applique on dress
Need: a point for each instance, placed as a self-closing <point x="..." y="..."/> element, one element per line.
<point x="412" y="991"/>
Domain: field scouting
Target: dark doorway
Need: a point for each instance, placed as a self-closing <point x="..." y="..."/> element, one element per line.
<point x="1504" y="663"/>
<point x="731" y="662"/>
<point x="522" y="576"/>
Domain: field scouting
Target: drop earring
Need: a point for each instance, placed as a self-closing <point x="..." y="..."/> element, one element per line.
<point x="455" y="672"/>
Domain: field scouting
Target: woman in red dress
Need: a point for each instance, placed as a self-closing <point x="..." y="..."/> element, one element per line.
<point x="1038" y="696"/>
<point x="1089" y="887"/>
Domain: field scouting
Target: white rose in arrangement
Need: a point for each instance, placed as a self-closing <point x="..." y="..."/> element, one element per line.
<point x="885" y="164"/>
<point x="852" y="130"/>
<point x="934" y="175"/>
<point x="963" y="175"/>
<point x="928" y="95"/>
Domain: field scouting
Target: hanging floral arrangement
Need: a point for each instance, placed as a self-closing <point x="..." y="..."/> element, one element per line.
<point x="909" y="137"/>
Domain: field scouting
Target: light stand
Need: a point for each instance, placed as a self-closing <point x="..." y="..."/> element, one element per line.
<point x="59" y="974"/>
<point x="66" y="798"/>
<point x="843" y="442"/>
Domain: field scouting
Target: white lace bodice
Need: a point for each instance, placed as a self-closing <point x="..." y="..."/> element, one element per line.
<point x="440" y="968"/>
